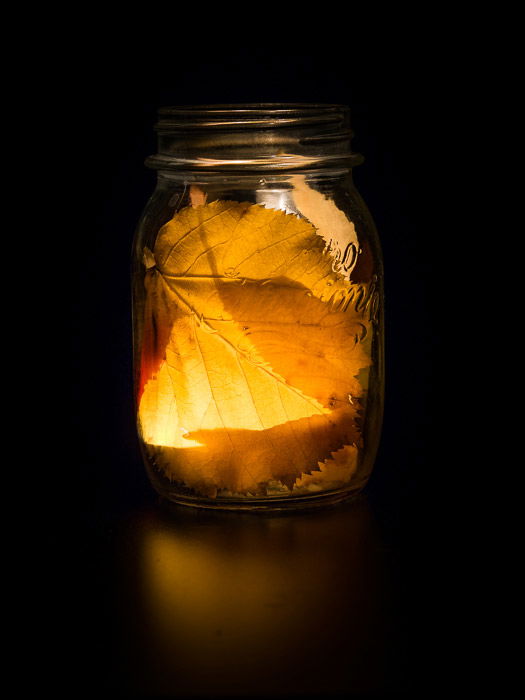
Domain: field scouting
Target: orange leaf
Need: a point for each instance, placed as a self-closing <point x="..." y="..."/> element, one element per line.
<point x="262" y="350"/>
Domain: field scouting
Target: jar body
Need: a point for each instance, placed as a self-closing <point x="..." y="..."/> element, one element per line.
<point x="258" y="338"/>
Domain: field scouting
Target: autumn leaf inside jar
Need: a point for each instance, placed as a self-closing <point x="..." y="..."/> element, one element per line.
<point x="257" y="311"/>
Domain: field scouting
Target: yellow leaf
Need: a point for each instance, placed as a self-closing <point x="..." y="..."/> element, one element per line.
<point x="318" y="350"/>
<point x="332" y="473"/>
<point x="261" y="364"/>
<point x="159" y="313"/>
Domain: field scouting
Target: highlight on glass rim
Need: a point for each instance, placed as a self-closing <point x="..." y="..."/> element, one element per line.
<point x="258" y="310"/>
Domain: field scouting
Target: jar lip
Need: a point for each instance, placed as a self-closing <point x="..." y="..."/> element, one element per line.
<point x="250" y="114"/>
<point x="253" y="136"/>
<point x="250" y="107"/>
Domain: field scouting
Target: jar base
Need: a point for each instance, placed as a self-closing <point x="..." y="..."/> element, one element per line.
<point x="281" y="505"/>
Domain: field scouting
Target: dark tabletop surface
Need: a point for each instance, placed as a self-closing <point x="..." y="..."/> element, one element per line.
<point x="221" y="604"/>
<point x="156" y="600"/>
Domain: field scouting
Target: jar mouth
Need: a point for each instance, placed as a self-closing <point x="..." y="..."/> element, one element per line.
<point x="253" y="136"/>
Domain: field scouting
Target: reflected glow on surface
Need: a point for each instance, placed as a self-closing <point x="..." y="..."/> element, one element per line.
<point x="232" y="603"/>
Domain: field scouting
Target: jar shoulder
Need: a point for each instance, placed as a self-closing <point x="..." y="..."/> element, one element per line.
<point x="333" y="206"/>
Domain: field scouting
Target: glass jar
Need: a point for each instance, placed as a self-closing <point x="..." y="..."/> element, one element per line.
<point x="257" y="310"/>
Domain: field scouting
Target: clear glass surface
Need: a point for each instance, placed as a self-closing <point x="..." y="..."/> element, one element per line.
<point x="258" y="323"/>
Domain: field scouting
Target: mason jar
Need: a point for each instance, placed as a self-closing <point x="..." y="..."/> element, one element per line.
<point x="257" y="310"/>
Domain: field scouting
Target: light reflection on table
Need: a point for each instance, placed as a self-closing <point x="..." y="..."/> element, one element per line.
<point x="221" y="604"/>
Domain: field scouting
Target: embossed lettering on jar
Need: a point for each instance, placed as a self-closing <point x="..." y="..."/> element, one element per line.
<point x="257" y="310"/>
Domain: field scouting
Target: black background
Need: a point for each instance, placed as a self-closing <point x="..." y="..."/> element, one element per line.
<point x="102" y="121"/>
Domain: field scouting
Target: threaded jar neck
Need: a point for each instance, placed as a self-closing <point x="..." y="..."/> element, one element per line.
<point x="253" y="137"/>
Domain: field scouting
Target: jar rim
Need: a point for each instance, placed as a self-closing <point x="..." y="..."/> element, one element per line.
<point x="253" y="136"/>
<point x="250" y="114"/>
<point x="254" y="107"/>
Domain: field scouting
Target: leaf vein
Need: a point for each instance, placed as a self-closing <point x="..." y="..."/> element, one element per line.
<point x="195" y="228"/>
